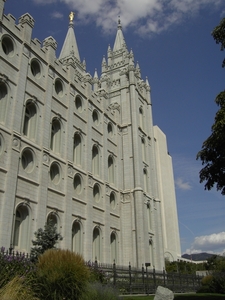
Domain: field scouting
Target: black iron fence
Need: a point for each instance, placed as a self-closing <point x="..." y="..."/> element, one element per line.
<point x="129" y="280"/>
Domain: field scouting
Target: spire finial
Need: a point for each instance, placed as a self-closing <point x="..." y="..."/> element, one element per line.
<point x="119" y="22"/>
<point x="71" y="16"/>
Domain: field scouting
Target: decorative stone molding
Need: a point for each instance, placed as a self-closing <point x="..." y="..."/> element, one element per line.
<point x="50" y="41"/>
<point x="26" y="19"/>
<point x="114" y="106"/>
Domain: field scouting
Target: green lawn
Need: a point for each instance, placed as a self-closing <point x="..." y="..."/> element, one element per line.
<point x="180" y="297"/>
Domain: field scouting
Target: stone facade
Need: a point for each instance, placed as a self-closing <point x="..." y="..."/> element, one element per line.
<point x="82" y="151"/>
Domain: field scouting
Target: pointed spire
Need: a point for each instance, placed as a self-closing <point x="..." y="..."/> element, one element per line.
<point x="70" y="44"/>
<point x="119" y="41"/>
<point x="95" y="75"/>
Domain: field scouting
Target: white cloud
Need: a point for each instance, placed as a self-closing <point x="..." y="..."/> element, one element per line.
<point x="213" y="243"/>
<point x="180" y="184"/>
<point x="57" y="15"/>
<point x="148" y="16"/>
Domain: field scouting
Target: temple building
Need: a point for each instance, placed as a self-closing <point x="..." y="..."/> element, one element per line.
<point x="82" y="151"/>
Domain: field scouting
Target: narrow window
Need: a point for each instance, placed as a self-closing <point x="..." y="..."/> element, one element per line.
<point x="143" y="149"/>
<point x="3" y="101"/>
<point x="112" y="200"/>
<point x="21" y="229"/>
<point x="111" y="170"/>
<point x="96" y="245"/>
<point x="77" y="149"/>
<point x="141" y="118"/>
<point x="76" y="237"/>
<point x="95" y="160"/>
<point x="30" y="120"/>
<point x="145" y="180"/>
<point x="113" y="247"/>
<point x="55" y="136"/>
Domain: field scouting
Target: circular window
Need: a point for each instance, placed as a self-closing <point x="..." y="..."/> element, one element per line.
<point x="112" y="200"/>
<point x="77" y="183"/>
<point x="95" y="117"/>
<point x="59" y="87"/>
<point x="8" y="46"/>
<point x="55" y="173"/>
<point x="78" y="104"/>
<point x="35" y="68"/>
<point x="27" y="160"/>
<point x="96" y="193"/>
<point x="110" y="129"/>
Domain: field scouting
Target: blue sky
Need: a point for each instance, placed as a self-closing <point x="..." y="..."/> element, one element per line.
<point x="171" y="40"/>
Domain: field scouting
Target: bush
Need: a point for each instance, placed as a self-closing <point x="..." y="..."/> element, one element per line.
<point x="61" y="274"/>
<point x="12" y="265"/>
<point x="19" y="288"/>
<point x="97" y="291"/>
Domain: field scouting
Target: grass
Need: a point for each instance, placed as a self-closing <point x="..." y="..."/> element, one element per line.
<point x="180" y="297"/>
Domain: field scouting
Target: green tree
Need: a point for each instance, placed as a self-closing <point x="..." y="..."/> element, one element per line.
<point x="212" y="153"/>
<point x="45" y="239"/>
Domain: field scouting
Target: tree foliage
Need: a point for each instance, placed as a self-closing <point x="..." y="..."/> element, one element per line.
<point x="45" y="239"/>
<point x="212" y="153"/>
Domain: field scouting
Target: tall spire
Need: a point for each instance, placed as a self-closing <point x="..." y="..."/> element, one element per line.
<point x="70" y="44"/>
<point x="119" y="41"/>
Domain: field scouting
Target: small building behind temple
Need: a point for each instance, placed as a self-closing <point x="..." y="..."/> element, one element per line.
<point x="82" y="151"/>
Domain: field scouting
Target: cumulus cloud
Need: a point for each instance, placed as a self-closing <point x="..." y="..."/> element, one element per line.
<point x="180" y="184"/>
<point x="148" y="16"/>
<point x="213" y="243"/>
<point x="57" y="15"/>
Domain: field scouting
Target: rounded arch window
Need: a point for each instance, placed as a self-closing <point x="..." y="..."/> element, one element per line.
<point x="35" y="67"/>
<point x="110" y="128"/>
<point x="112" y="200"/>
<point x="55" y="173"/>
<point x="59" y="87"/>
<point x="78" y="104"/>
<point x="27" y="160"/>
<point x="96" y="193"/>
<point x="8" y="46"/>
<point x="77" y="183"/>
<point x="52" y="219"/>
<point x="95" y="117"/>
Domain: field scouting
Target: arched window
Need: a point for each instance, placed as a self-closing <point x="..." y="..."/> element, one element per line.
<point x="141" y="117"/>
<point x="112" y="200"/>
<point x="111" y="173"/>
<point x="55" y="136"/>
<point x="76" y="238"/>
<point x="3" y="101"/>
<point x="145" y="180"/>
<point x="21" y="237"/>
<point x="96" y="193"/>
<point x="30" y="120"/>
<point x="96" y="244"/>
<point x="95" y="160"/>
<point x="113" y="247"/>
<point x="77" y="149"/>
<point x="143" y="149"/>
<point x="52" y="219"/>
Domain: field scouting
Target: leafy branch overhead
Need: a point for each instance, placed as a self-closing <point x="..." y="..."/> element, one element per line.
<point x="212" y="153"/>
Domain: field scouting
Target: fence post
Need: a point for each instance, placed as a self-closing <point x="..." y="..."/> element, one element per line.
<point x="154" y="278"/>
<point x="130" y="283"/>
<point x="114" y="273"/>
<point x="164" y="277"/>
